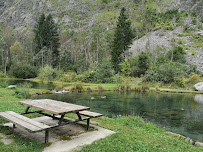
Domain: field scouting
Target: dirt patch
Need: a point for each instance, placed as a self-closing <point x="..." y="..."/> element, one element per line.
<point x="5" y="139"/>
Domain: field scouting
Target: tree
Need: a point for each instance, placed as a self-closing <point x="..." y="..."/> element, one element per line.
<point x="16" y="52"/>
<point x="144" y="62"/>
<point x="46" y="35"/>
<point x="122" y="39"/>
<point x="126" y="68"/>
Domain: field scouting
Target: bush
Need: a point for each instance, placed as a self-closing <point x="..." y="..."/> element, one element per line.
<point x="2" y="75"/>
<point x="47" y="74"/>
<point x="177" y="54"/>
<point x="167" y="72"/>
<point x="22" y="93"/>
<point x="102" y="74"/>
<point x="4" y="84"/>
<point x="194" y="78"/>
<point x="24" y="71"/>
<point x="180" y="82"/>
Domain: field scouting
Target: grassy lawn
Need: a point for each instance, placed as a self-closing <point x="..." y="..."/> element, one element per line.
<point x="133" y="134"/>
<point x="10" y="102"/>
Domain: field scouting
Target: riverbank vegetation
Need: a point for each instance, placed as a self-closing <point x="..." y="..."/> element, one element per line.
<point x="132" y="133"/>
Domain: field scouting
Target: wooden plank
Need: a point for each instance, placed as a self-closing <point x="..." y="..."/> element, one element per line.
<point x="53" y="106"/>
<point x="28" y="120"/>
<point x="90" y="114"/>
<point x="20" y="122"/>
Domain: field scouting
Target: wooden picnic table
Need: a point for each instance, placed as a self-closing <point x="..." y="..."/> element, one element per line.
<point x="51" y="108"/>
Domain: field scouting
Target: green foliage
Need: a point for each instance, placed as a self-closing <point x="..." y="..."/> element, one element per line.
<point x="122" y="39"/>
<point x="194" y="78"/>
<point x="125" y="68"/>
<point x="2" y="75"/>
<point x="47" y="73"/>
<point x="144" y="62"/>
<point x="103" y="73"/>
<point x="22" y="93"/>
<point x="193" y="52"/>
<point x="177" y="55"/>
<point x="4" y="84"/>
<point x="167" y="72"/>
<point x="162" y="59"/>
<point x="24" y="71"/>
<point x="179" y="81"/>
<point x="77" y="88"/>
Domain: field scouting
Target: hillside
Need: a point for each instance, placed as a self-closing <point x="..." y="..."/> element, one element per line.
<point x="87" y="25"/>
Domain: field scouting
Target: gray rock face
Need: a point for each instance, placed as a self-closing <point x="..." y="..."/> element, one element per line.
<point x="199" y="86"/>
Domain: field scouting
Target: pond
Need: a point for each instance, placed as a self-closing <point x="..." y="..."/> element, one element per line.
<point x="178" y="113"/>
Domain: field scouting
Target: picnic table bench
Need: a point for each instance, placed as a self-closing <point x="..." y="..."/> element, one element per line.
<point x="57" y="109"/>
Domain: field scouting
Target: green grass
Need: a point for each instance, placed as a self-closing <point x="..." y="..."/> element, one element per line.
<point x="133" y="134"/>
<point x="10" y="102"/>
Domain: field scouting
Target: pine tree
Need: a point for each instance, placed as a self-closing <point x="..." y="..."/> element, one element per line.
<point x="122" y="39"/>
<point x="46" y="35"/>
<point x="40" y="34"/>
<point x="53" y="40"/>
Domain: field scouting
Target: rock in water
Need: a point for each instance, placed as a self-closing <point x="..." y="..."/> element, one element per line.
<point x="199" y="86"/>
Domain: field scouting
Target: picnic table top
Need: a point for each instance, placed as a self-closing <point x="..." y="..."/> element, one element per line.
<point x="53" y="106"/>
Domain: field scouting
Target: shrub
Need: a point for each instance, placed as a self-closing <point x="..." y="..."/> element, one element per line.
<point x="2" y="75"/>
<point x="180" y="81"/>
<point x="47" y="74"/>
<point x="25" y="85"/>
<point x="167" y="72"/>
<point x="22" y="93"/>
<point x="77" y="88"/>
<point x="177" y="54"/>
<point x="4" y="84"/>
<point x="194" y="78"/>
<point x="24" y="71"/>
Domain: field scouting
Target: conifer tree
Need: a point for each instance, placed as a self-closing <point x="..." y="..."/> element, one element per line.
<point x="122" y="39"/>
<point x="46" y="35"/>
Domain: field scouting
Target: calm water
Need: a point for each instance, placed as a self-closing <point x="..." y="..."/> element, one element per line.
<point x="179" y="113"/>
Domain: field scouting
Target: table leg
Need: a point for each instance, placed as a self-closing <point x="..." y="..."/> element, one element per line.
<point x="46" y="136"/>
<point x="88" y="123"/>
<point x="61" y="119"/>
<point x="26" y="111"/>
<point x="79" y="116"/>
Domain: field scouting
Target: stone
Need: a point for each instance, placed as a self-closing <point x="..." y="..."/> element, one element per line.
<point x="60" y="91"/>
<point x="12" y="86"/>
<point x="198" y="144"/>
<point x="198" y="86"/>
<point x="92" y="98"/>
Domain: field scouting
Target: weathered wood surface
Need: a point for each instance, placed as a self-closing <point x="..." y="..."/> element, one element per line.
<point x="27" y="123"/>
<point x="53" y="106"/>
<point x="90" y="114"/>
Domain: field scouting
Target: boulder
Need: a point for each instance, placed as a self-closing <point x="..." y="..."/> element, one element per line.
<point x="12" y="86"/>
<point x="199" y="86"/>
<point x="198" y="144"/>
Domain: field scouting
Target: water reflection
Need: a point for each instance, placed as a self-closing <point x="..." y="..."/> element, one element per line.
<point x="176" y="112"/>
